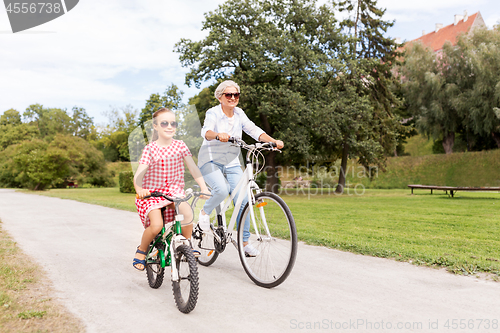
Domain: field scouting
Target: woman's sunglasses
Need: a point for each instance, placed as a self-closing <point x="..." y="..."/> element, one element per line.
<point x="164" y="124"/>
<point x="230" y="95"/>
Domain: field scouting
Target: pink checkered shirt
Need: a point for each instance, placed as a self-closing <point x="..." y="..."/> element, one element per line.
<point x="165" y="174"/>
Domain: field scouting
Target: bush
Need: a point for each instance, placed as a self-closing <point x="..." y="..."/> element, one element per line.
<point x="37" y="164"/>
<point x="126" y="180"/>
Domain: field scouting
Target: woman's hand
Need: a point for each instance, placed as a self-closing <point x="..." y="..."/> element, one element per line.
<point x="223" y="137"/>
<point x="142" y="193"/>
<point x="279" y="144"/>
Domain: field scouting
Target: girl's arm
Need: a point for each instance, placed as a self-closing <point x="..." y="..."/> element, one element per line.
<point x="139" y="175"/>
<point x="195" y="172"/>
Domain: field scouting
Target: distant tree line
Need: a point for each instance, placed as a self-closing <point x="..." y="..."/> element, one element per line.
<point x="51" y="147"/>
<point x="331" y="86"/>
<point x="454" y="97"/>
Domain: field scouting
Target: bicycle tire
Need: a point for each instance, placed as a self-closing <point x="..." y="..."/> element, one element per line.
<point x="154" y="271"/>
<point x="204" y="242"/>
<point x="277" y="253"/>
<point x="186" y="289"/>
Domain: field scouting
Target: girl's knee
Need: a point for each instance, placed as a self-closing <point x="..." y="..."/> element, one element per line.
<point x="187" y="212"/>
<point x="156" y="228"/>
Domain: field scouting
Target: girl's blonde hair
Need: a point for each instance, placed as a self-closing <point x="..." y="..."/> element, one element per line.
<point x="155" y="115"/>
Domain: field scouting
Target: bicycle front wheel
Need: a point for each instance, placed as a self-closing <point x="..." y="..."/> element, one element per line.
<point x="186" y="288"/>
<point x="274" y="236"/>
<point x="154" y="270"/>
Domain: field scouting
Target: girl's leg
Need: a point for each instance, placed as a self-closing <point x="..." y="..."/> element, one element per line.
<point x="154" y="228"/>
<point x="187" y="224"/>
<point x="233" y="175"/>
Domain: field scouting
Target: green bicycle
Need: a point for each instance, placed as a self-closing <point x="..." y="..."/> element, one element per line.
<point x="170" y="248"/>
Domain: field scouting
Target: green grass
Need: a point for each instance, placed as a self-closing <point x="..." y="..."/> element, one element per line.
<point x="459" y="233"/>
<point x="25" y="302"/>
<point x="472" y="169"/>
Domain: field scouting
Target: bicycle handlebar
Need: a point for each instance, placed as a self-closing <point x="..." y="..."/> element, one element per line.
<point x="245" y="145"/>
<point x="189" y="195"/>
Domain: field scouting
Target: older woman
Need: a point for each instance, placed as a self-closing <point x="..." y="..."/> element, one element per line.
<point x="218" y="162"/>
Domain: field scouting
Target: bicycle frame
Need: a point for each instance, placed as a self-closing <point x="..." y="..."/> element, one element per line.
<point x="247" y="180"/>
<point x="169" y="237"/>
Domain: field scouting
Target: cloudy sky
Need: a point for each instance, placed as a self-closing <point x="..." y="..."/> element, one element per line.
<point x="118" y="52"/>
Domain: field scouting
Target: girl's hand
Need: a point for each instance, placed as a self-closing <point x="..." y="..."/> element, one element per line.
<point x="142" y="193"/>
<point x="206" y="191"/>
<point x="279" y="144"/>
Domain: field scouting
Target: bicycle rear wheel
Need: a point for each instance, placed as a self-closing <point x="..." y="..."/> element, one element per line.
<point x="154" y="271"/>
<point x="186" y="289"/>
<point x="277" y="249"/>
<point x="204" y="242"/>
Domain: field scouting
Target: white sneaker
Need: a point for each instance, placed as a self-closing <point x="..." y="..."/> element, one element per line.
<point x="204" y="221"/>
<point x="251" y="251"/>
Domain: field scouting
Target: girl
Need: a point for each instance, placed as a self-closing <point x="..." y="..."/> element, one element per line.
<point x="161" y="169"/>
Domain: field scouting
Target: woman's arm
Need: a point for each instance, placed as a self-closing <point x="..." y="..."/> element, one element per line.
<point x="211" y="135"/>
<point x="266" y="138"/>
<point x="195" y="172"/>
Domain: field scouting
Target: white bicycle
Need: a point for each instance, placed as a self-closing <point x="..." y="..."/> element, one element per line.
<point x="272" y="227"/>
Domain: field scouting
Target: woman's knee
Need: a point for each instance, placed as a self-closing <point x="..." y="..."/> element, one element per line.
<point x="219" y="193"/>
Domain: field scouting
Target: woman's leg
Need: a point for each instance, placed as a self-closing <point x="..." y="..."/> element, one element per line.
<point x="154" y="228"/>
<point x="233" y="175"/>
<point x="219" y="188"/>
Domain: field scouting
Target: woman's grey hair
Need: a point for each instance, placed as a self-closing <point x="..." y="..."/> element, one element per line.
<point x="220" y="89"/>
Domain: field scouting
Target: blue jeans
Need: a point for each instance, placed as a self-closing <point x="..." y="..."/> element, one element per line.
<point x="222" y="182"/>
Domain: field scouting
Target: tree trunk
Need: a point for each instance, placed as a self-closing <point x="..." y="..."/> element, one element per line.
<point x="272" y="184"/>
<point x="496" y="137"/>
<point x="343" y="168"/>
<point x="448" y="142"/>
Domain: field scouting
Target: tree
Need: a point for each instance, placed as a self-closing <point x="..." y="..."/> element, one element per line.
<point x="114" y="138"/>
<point x="457" y="92"/>
<point x="171" y="99"/>
<point x="370" y="127"/>
<point x="49" y="121"/>
<point x="479" y="82"/>
<point x="282" y="54"/>
<point x="82" y="125"/>
<point x="10" y="117"/>
<point x="204" y="100"/>
<point x="37" y="164"/>
<point x="431" y="91"/>
<point x="13" y="131"/>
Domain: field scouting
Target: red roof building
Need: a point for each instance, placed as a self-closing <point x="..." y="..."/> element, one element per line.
<point x="463" y="24"/>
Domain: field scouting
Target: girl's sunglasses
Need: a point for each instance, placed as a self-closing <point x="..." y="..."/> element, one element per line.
<point x="230" y="95"/>
<point x="164" y="124"/>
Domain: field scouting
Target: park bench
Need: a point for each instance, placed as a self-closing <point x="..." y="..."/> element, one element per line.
<point x="453" y="189"/>
<point x="296" y="184"/>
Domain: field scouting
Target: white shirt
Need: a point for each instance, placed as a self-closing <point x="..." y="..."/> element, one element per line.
<point x="223" y="152"/>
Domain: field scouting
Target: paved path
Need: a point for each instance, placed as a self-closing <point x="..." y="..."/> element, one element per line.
<point x="87" y="251"/>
